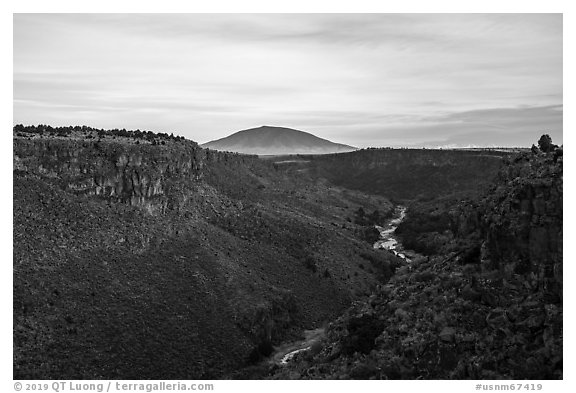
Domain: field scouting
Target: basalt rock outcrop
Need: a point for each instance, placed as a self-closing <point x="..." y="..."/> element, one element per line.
<point x="523" y="226"/>
<point x="154" y="177"/>
<point x="516" y="226"/>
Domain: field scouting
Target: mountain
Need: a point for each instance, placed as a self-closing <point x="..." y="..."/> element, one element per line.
<point x="267" y="140"/>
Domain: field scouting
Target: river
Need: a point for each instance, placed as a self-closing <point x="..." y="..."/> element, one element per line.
<point x="387" y="239"/>
<point x="286" y="352"/>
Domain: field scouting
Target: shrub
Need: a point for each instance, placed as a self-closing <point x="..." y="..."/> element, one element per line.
<point x="384" y="264"/>
<point x="370" y="234"/>
<point x="310" y="264"/>
<point x="362" y="334"/>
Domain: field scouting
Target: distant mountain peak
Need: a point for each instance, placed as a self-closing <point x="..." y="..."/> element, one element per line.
<point x="275" y="140"/>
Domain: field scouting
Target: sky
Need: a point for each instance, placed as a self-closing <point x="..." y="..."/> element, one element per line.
<point x="412" y="80"/>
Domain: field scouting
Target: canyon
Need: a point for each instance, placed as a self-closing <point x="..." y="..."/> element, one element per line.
<point x="157" y="258"/>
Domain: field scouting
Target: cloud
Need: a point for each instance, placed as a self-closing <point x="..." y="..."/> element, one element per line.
<point x="352" y="77"/>
<point x="487" y="127"/>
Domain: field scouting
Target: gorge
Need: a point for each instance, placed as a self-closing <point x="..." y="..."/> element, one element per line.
<point x="156" y="258"/>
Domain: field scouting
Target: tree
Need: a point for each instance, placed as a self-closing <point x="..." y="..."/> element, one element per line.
<point x="545" y="143"/>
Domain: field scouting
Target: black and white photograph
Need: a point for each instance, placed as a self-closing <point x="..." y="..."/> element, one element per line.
<point x="287" y="196"/>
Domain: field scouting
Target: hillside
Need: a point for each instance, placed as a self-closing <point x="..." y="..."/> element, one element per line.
<point x="142" y="256"/>
<point x="267" y="140"/>
<point x="484" y="302"/>
<point x="409" y="174"/>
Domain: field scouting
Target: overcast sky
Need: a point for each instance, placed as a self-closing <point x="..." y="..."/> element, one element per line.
<point x="360" y="79"/>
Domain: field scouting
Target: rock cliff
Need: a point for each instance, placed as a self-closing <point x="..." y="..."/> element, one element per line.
<point x="522" y="226"/>
<point x="154" y="177"/>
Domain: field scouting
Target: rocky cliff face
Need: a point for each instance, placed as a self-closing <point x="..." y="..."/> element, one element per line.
<point x="139" y="175"/>
<point x="522" y="224"/>
<point x="155" y="177"/>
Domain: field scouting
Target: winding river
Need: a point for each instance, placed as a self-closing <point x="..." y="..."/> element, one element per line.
<point x="387" y="240"/>
<point x="286" y="352"/>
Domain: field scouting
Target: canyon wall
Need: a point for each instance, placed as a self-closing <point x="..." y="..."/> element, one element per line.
<point x="409" y="174"/>
<point x="522" y="222"/>
<point x="155" y="177"/>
